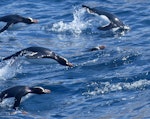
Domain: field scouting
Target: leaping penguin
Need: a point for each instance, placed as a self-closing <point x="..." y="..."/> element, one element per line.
<point x="14" y="19"/>
<point x="19" y="91"/>
<point x="40" y="52"/>
<point x="114" y="22"/>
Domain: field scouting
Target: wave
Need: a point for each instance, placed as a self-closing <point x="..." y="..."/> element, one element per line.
<point x="95" y="88"/>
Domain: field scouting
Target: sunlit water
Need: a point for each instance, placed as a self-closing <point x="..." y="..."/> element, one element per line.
<point x="112" y="83"/>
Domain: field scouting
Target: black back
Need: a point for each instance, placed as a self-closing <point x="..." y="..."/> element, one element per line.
<point x="14" y="91"/>
<point x="12" y="18"/>
<point x="33" y="52"/>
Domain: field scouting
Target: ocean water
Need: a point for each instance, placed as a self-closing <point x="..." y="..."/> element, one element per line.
<point x="107" y="84"/>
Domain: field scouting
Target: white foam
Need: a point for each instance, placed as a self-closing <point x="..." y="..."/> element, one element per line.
<point x="7" y="103"/>
<point x="9" y="69"/>
<point x="106" y="87"/>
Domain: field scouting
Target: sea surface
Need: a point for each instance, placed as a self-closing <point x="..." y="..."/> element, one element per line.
<point x="113" y="83"/>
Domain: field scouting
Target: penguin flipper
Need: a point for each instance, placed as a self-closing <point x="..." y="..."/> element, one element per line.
<point x="5" y="27"/>
<point x="17" y="102"/>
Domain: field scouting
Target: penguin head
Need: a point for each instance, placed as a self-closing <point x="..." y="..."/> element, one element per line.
<point x="64" y="61"/>
<point x="88" y="9"/>
<point x="29" y="20"/>
<point x="101" y="47"/>
<point x="40" y="90"/>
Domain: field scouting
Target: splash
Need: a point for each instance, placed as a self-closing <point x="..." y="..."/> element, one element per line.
<point x="76" y="26"/>
<point x="9" y="69"/>
<point x="87" y="23"/>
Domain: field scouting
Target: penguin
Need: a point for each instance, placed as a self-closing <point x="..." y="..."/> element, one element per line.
<point x="113" y="21"/>
<point x="40" y="52"/>
<point x="101" y="47"/>
<point x="19" y="91"/>
<point x="14" y="19"/>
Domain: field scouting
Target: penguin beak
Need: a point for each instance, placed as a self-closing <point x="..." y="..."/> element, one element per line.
<point x="47" y="91"/>
<point x="69" y="64"/>
<point x="35" y="21"/>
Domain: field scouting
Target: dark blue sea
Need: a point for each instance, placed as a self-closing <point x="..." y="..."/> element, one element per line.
<point x="113" y="83"/>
